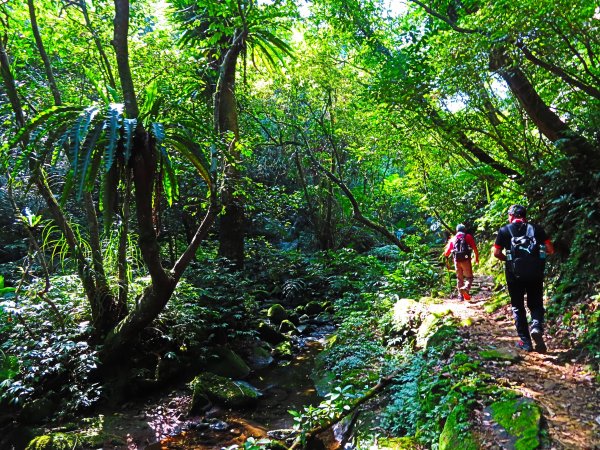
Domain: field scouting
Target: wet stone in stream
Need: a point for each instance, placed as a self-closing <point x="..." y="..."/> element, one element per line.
<point x="284" y="387"/>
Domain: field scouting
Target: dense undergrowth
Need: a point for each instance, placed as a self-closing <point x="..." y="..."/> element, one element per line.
<point x="48" y="363"/>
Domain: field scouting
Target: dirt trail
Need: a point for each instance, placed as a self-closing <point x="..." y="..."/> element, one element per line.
<point x="557" y="380"/>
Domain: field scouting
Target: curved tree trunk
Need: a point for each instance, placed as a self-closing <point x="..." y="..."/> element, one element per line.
<point x="584" y="157"/>
<point x="43" y="54"/>
<point x="231" y="228"/>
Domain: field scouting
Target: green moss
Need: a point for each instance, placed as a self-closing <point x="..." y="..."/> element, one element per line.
<point x="277" y="314"/>
<point x="456" y="433"/>
<point x="283" y="350"/>
<point x="499" y="355"/>
<point x="467" y="322"/>
<point x="521" y="419"/>
<point x="442" y="336"/>
<point x="401" y="443"/>
<point x="54" y="441"/>
<point x="227" y="363"/>
<point x="223" y="391"/>
<point x="496" y="302"/>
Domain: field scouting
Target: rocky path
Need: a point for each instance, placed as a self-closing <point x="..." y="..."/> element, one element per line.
<point x="557" y="380"/>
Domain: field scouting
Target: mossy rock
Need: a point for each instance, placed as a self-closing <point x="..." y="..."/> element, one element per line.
<point x="222" y="391"/>
<point x="399" y="443"/>
<point x="456" y="433"/>
<point x="407" y="316"/>
<point x="283" y="350"/>
<point x="441" y="337"/>
<point x="494" y="354"/>
<point x="277" y="314"/>
<point x="54" y="441"/>
<point x="72" y="440"/>
<point x="497" y="301"/>
<point x="521" y="418"/>
<point x="269" y="334"/>
<point x="227" y="363"/>
<point x="287" y="327"/>
<point x="260" y="357"/>
<point x="313" y="308"/>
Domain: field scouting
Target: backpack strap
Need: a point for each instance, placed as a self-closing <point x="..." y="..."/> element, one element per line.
<point x="530" y="231"/>
<point x="510" y="229"/>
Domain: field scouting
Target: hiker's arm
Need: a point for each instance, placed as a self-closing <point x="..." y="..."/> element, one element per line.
<point x="473" y="245"/>
<point x="498" y="253"/>
<point x="549" y="247"/>
<point x="448" y="248"/>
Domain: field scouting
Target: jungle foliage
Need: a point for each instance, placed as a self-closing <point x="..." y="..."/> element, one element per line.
<point x="170" y="168"/>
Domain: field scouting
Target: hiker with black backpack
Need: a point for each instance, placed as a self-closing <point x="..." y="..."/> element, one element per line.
<point x="526" y="246"/>
<point x="461" y="246"/>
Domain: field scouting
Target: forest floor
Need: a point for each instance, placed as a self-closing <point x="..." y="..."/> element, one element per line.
<point x="557" y="380"/>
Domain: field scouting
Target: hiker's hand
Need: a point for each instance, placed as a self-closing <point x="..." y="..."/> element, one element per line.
<point x="477" y="261"/>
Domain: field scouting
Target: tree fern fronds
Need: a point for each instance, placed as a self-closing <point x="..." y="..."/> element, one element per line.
<point x="69" y="181"/>
<point x="112" y="125"/>
<point x="158" y="130"/>
<point x="109" y="195"/>
<point x="79" y="133"/>
<point x="36" y="122"/>
<point x="192" y="152"/>
<point x="88" y="150"/>
<point x="169" y="179"/>
<point x="129" y="126"/>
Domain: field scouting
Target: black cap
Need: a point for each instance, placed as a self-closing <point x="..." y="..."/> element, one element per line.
<point x="517" y="211"/>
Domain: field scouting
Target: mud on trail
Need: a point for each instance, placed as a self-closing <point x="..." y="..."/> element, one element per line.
<point x="556" y="380"/>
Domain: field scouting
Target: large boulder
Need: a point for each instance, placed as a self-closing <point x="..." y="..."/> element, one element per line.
<point x="225" y="362"/>
<point x="260" y="357"/>
<point x="222" y="391"/>
<point x="456" y="433"/>
<point x="313" y="308"/>
<point x="277" y="314"/>
<point x="269" y="334"/>
<point x="287" y="327"/>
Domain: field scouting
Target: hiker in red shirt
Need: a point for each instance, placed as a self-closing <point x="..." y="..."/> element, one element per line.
<point x="460" y="246"/>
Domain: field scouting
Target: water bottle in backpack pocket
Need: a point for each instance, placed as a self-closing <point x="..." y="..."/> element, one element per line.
<point x="525" y="262"/>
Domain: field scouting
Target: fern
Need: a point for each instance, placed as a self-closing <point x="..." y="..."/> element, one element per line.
<point x="129" y="126"/>
<point x="112" y="125"/>
<point x="192" y="152"/>
<point x="87" y="168"/>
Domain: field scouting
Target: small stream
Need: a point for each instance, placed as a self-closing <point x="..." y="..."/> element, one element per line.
<point x="284" y="386"/>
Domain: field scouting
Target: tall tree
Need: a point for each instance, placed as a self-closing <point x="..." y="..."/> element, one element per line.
<point x="233" y="29"/>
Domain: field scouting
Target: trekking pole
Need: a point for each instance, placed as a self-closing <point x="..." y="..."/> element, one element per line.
<point x="449" y="277"/>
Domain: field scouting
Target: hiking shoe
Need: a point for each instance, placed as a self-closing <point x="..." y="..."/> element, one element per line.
<point x="525" y="346"/>
<point x="538" y="337"/>
<point x="465" y="294"/>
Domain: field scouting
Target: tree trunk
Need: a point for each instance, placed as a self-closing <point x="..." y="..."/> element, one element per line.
<point x="584" y="158"/>
<point x="231" y="227"/>
<point x="43" y="54"/>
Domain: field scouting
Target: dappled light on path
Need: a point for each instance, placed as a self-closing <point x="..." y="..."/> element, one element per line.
<point x="557" y="380"/>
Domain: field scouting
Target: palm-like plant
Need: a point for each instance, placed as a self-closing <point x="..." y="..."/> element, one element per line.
<point x="222" y="32"/>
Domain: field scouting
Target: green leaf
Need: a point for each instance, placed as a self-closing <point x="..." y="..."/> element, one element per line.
<point x="169" y="179"/>
<point x="112" y="125"/>
<point x="192" y="152"/>
<point x="129" y="126"/>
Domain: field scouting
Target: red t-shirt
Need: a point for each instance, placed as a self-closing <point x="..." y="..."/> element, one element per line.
<point x="468" y="239"/>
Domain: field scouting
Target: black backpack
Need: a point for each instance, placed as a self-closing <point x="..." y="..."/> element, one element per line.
<point x="461" y="250"/>
<point x="523" y="259"/>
